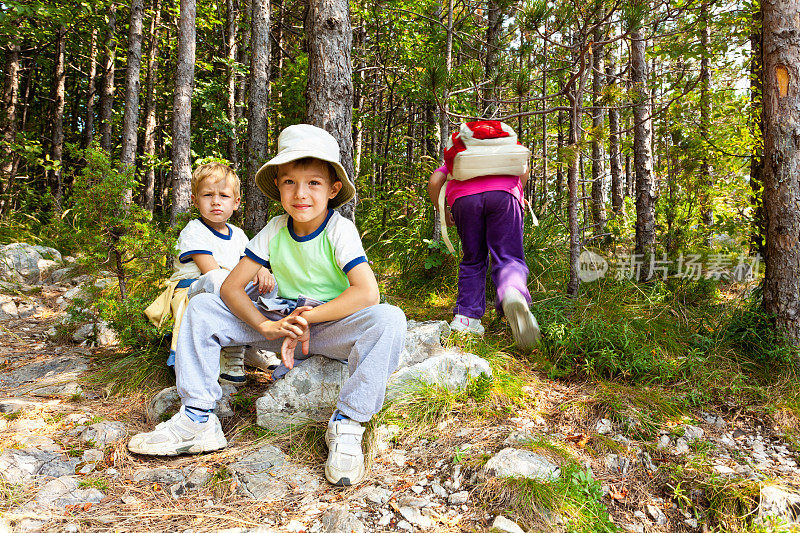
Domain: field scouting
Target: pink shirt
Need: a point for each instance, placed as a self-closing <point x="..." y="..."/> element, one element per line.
<point x="456" y="189"/>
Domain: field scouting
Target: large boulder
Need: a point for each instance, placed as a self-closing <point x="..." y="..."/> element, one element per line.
<point x="268" y="474"/>
<point x="27" y="263"/>
<point x="513" y="462"/>
<point x="309" y="391"/>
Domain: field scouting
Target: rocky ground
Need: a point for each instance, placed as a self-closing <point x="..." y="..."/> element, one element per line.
<point x="64" y="465"/>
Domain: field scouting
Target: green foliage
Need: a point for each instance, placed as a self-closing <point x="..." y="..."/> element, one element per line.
<point x="751" y="332"/>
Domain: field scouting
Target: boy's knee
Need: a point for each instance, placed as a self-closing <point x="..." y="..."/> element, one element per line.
<point x="202" y="303"/>
<point x="389" y="316"/>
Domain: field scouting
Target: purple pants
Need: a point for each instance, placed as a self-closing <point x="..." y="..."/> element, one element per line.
<point x="489" y="223"/>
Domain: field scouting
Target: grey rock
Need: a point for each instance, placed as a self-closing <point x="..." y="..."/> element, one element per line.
<point x="691" y="523"/>
<point x="519" y="437"/>
<point x="37" y="441"/>
<point x="65" y="491"/>
<point x="102" y="433"/>
<point x="681" y="446"/>
<point x="14" y="405"/>
<point x="307" y="392"/>
<point x="339" y="519"/>
<point x="663" y="442"/>
<point x="196" y="477"/>
<point x="423" y="340"/>
<point x="414" y="516"/>
<point x="604" y="426"/>
<point x="512" y="462"/>
<point x="692" y="432"/>
<point x="84" y="333"/>
<point x="617" y="464"/>
<point x="162" y="476"/>
<point x="55" y="377"/>
<point x="26" y="467"/>
<point x="452" y="369"/>
<point x="724" y="470"/>
<point x="458" y="498"/>
<point x="8" y="309"/>
<point x="405" y="526"/>
<point x="779" y="503"/>
<point x="373" y="494"/>
<point x="20" y="262"/>
<point x="92" y="456"/>
<point x="656" y="514"/>
<point x="27" y="310"/>
<point x="61" y="274"/>
<point x="267" y="474"/>
<point x="646" y="461"/>
<point x="412" y="501"/>
<point x="501" y="523"/>
<point x="106" y="336"/>
<point x="713" y="420"/>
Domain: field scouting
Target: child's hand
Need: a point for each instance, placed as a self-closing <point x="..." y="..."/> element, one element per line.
<point x="448" y="218"/>
<point x="292" y="326"/>
<point x="265" y="280"/>
<point x="289" y="344"/>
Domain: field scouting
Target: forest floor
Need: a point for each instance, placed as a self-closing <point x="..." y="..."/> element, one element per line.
<point x="629" y="459"/>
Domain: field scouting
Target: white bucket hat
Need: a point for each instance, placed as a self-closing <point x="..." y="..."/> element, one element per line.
<point x="299" y="141"/>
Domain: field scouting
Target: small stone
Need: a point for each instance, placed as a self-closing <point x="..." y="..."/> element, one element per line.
<point x="692" y="432"/>
<point x="691" y="522"/>
<point x="438" y="490"/>
<point x="458" y="498"/>
<point x="604" y="426"/>
<point x="779" y="503"/>
<point x="411" y="501"/>
<point x="385" y="519"/>
<point x="617" y="464"/>
<point x="416" y="489"/>
<point x="402" y="524"/>
<point x="92" y="456"/>
<point x="724" y="470"/>
<point x="646" y="461"/>
<point x="512" y="462"/>
<point x="130" y="500"/>
<point x="338" y="519"/>
<point x="681" y="446"/>
<point x="294" y="526"/>
<point x="663" y="442"/>
<point x="71" y="528"/>
<point x="656" y="514"/>
<point x="414" y="516"/>
<point x="501" y="523"/>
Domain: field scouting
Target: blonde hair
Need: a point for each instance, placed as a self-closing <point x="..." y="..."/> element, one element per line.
<point x="216" y="172"/>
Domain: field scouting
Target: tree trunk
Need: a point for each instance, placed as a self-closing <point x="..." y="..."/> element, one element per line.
<point x="560" y="165"/>
<point x="182" y="111"/>
<point x="130" y="119"/>
<point x="257" y="206"/>
<point x="617" y="185"/>
<point x="88" y="128"/>
<point x="230" y="48"/>
<point x="706" y="203"/>
<point x="58" y="115"/>
<point x="544" y="128"/>
<point x="242" y="57"/>
<point x="148" y="193"/>
<point x="642" y="154"/>
<point x="598" y="123"/>
<point x="781" y="77"/>
<point x="575" y="98"/>
<point x="494" y="26"/>
<point x="107" y="89"/>
<point x="444" y="120"/>
<point x="9" y="121"/>
<point x="757" y="241"/>
<point x="329" y="93"/>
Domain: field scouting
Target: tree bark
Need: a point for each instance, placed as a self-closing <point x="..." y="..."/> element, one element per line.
<point x="58" y="115"/>
<point x="598" y="124"/>
<point x="329" y="92"/>
<point x="560" y="165"/>
<point x="230" y="48"/>
<point x="256" y="208"/>
<point x="107" y="89"/>
<point x="617" y="185"/>
<point x="88" y="127"/>
<point x="444" y="120"/>
<point x="642" y="154"/>
<point x="9" y="121"/>
<point x="150" y="124"/>
<point x="781" y="100"/>
<point x="182" y="111"/>
<point x="130" y="118"/>
<point x="494" y="26"/>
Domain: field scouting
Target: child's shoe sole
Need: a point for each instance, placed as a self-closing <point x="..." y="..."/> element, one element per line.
<point x="524" y="326"/>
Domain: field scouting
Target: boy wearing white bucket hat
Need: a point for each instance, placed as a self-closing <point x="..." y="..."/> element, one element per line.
<point x="316" y="256"/>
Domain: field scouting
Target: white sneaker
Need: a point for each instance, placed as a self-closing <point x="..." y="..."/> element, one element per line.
<point x="464" y="324"/>
<point x="180" y="434"/>
<point x="523" y="324"/>
<point x="231" y="366"/>
<point x="345" y="464"/>
<point x="263" y="360"/>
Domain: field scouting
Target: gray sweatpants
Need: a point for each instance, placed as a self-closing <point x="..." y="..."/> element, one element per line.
<point x="370" y="340"/>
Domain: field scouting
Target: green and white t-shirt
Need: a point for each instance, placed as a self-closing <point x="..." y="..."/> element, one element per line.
<point x="314" y="265"/>
<point x="199" y="238"/>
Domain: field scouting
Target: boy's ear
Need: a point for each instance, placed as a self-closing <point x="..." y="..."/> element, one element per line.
<point x="194" y="201"/>
<point x="336" y="186"/>
<point x="237" y="202"/>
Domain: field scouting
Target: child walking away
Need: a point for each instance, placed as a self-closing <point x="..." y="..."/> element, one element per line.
<point x="482" y="180"/>
<point x="208" y="249"/>
<point x="316" y="256"/>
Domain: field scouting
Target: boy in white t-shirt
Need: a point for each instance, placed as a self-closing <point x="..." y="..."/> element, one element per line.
<point x="208" y="249"/>
<point x="315" y="254"/>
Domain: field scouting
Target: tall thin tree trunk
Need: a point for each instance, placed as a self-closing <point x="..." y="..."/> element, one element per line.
<point x="617" y="185"/>
<point x="150" y="124"/>
<point x="444" y="120"/>
<point x="329" y="92"/>
<point x="575" y="98"/>
<point x="58" y="115"/>
<point x="598" y="124"/>
<point x="182" y="111"/>
<point x="781" y="74"/>
<point x="130" y="118"/>
<point x="255" y="214"/>
<point x="642" y="154"/>
<point x="107" y="89"/>
<point x="243" y="58"/>
<point x="230" y="48"/>
<point x="560" y="165"/>
<point x="494" y="26"/>
<point x="88" y="128"/>
<point x="544" y="127"/>
<point x="8" y="121"/>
